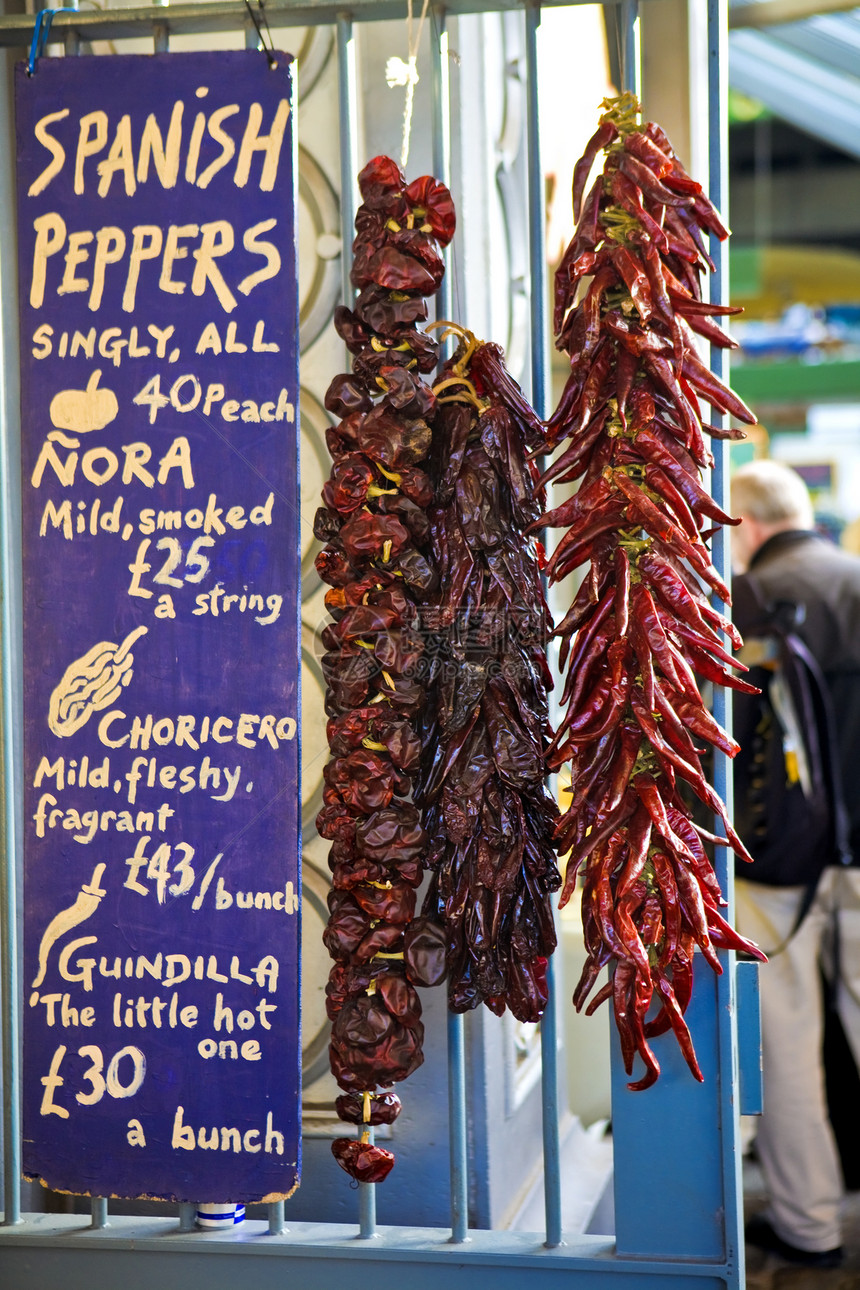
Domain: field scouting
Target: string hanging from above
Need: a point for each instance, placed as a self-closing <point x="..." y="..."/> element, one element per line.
<point x="398" y="72"/>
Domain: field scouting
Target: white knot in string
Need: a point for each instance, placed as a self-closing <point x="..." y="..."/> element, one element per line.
<point x="399" y="73"/>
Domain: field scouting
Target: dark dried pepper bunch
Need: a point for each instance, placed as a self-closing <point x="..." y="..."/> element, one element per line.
<point x="376" y="528"/>
<point x="641" y="630"/>
<point x="488" y="815"/>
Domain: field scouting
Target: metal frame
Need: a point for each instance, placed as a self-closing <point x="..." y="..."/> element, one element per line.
<point x="678" y="1198"/>
<point x="230" y="15"/>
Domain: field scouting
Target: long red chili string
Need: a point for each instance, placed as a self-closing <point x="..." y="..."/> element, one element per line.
<point x="641" y="636"/>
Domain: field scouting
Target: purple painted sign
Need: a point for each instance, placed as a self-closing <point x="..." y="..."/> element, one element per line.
<point x="159" y="370"/>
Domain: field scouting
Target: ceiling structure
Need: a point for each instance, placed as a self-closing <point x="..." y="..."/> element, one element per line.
<point x="802" y="60"/>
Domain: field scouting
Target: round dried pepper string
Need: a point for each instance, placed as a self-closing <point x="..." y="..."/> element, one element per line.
<point x="641" y="631"/>
<point x="375" y="560"/>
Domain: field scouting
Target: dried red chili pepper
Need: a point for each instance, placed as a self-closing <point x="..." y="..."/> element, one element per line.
<point x="390" y="267"/>
<point x="431" y="202"/>
<point x="362" y="1161"/>
<point x="605" y="134"/>
<point x="372" y="1108"/>
<point x="348" y="485"/>
<point x="389" y="314"/>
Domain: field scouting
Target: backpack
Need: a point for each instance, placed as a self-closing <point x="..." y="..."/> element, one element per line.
<point x="789" y="808"/>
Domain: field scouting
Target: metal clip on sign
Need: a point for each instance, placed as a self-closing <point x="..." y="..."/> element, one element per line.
<point x="40" y="34"/>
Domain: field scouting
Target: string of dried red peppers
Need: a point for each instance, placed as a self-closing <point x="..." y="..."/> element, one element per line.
<point x="376" y="527"/>
<point x="488" y="814"/>
<point x="641" y="628"/>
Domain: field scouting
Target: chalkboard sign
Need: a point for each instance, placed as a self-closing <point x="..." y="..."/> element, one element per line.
<point x="158" y="306"/>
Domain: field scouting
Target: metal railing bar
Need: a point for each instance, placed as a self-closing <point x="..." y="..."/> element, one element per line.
<point x="414" y="1255"/>
<point x="72" y="40"/>
<point x="441" y="153"/>
<point x="440" y="114"/>
<point x="631" y="55"/>
<point x="228" y="15"/>
<point x="459" y="1167"/>
<point x="537" y="221"/>
<point x="252" y="37"/>
<point x="457" y="1145"/>
<point x="540" y="398"/>
<point x="9" y="977"/>
<point x="187" y="1214"/>
<point x="347" y="113"/>
<point x="10" y="654"/>
<point x="367" y="1202"/>
<point x="717" y="187"/>
<point x="441" y="118"/>
<point x="550" y="1103"/>
<point x="99" y="1213"/>
<point x="347" y="109"/>
<point x="718" y="51"/>
<point x="717" y="190"/>
<point x="276" y="1218"/>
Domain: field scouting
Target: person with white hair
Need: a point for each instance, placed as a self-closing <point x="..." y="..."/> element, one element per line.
<point x="782" y="561"/>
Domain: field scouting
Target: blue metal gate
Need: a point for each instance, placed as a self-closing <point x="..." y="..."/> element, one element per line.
<point x="677" y="1160"/>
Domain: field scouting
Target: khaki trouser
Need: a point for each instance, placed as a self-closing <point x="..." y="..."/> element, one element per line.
<point x="794" y="1141"/>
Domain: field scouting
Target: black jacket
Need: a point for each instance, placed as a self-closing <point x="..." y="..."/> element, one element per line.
<point x="806" y="568"/>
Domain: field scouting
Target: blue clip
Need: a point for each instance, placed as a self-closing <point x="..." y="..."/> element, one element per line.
<point x="44" y="18"/>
